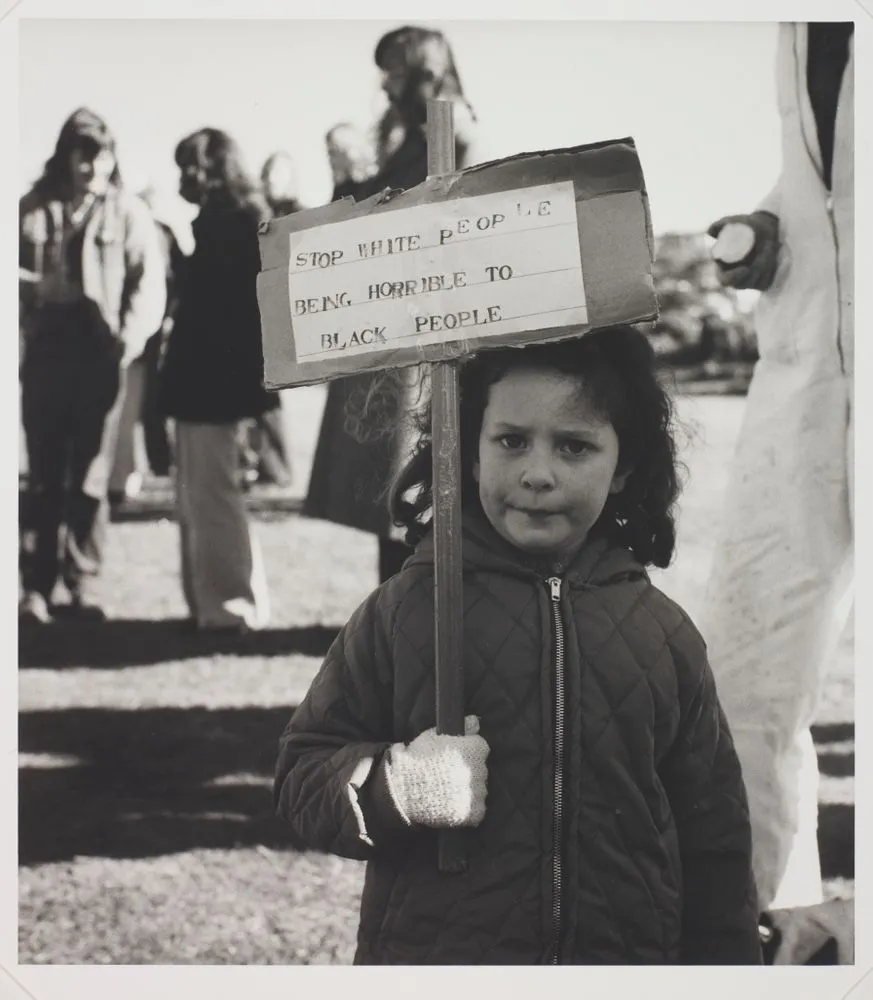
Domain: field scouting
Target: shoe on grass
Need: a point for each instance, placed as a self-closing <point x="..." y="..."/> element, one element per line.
<point x="33" y="607"/>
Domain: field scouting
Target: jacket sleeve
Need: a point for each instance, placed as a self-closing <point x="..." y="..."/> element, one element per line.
<point x="702" y="777"/>
<point x="329" y="784"/>
<point x="145" y="288"/>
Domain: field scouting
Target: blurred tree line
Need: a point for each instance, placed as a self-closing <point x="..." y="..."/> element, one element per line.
<point x="705" y="332"/>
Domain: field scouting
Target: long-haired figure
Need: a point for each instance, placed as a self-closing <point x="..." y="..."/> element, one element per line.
<point x="212" y="381"/>
<point x="353" y="466"/>
<point x="91" y="292"/>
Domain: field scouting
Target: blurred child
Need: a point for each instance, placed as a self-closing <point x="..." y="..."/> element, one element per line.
<point x="606" y="814"/>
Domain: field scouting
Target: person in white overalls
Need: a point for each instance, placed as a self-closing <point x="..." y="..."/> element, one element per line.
<point x="781" y="586"/>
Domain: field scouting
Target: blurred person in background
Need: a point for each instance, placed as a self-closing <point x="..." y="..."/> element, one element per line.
<point x="353" y="464"/>
<point x="156" y="431"/>
<point x="279" y="184"/>
<point x="781" y="586"/>
<point x="211" y="382"/>
<point x="91" y="292"/>
<point x="139" y="406"/>
<point x="128" y="461"/>
<point x="266" y="455"/>
<point x="417" y="66"/>
<point x="352" y="159"/>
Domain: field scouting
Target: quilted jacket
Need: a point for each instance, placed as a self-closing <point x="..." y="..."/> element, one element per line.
<point x="641" y="856"/>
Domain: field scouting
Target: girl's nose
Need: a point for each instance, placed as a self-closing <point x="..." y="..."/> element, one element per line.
<point x="537" y="473"/>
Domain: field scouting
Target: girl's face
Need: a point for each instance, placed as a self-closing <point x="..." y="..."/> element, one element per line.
<point x="547" y="462"/>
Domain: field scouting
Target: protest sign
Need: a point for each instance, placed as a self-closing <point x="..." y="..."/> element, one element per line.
<point x="538" y="246"/>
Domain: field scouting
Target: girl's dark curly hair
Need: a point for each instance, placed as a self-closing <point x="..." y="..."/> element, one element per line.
<point x="227" y="179"/>
<point x="616" y="367"/>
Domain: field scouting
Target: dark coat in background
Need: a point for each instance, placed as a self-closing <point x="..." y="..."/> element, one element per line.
<point x="154" y="423"/>
<point x="213" y="367"/>
<point x="349" y="479"/>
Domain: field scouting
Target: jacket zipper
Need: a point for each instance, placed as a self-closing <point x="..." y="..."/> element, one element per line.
<point x="554" y="583"/>
<point x="829" y="199"/>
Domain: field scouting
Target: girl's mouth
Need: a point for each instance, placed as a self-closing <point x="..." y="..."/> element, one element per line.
<point x="537" y="513"/>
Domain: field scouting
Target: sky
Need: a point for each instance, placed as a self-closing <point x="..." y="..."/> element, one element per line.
<point x="697" y="97"/>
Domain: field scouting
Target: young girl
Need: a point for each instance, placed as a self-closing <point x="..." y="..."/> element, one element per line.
<point x="606" y="812"/>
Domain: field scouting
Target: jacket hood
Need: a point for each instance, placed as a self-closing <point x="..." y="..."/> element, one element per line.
<point x="597" y="563"/>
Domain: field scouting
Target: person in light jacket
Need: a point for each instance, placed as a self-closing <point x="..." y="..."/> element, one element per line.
<point x="91" y="292"/>
<point x="780" y="590"/>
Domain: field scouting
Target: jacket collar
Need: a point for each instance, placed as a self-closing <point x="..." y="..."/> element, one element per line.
<point x="597" y="563"/>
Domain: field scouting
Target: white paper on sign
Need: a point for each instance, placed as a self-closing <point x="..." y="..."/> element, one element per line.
<point x="492" y="264"/>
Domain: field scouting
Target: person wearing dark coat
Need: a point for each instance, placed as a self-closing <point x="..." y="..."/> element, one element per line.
<point x="212" y="381"/>
<point x="352" y="466"/>
<point x="155" y="432"/>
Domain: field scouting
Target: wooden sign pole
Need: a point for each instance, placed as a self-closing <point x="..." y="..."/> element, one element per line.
<point x="448" y="583"/>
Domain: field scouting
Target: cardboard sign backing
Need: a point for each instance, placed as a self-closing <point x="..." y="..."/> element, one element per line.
<point x="539" y="246"/>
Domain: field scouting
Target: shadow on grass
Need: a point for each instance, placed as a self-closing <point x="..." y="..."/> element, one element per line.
<point x="135" y="642"/>
<point x="835" y="762"/>
<point x="147" y="782"/>
<point x="836" y="840"/>
<point x="156" y="781"/>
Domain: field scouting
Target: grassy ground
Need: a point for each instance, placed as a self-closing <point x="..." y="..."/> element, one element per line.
<point x="146" y="827"/>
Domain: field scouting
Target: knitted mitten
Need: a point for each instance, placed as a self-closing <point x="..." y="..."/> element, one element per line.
<point x="440" y="781"/>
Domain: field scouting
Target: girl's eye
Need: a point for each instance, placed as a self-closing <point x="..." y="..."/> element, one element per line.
<point x="575" y="447"/>
<point x="511" y="441"/>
